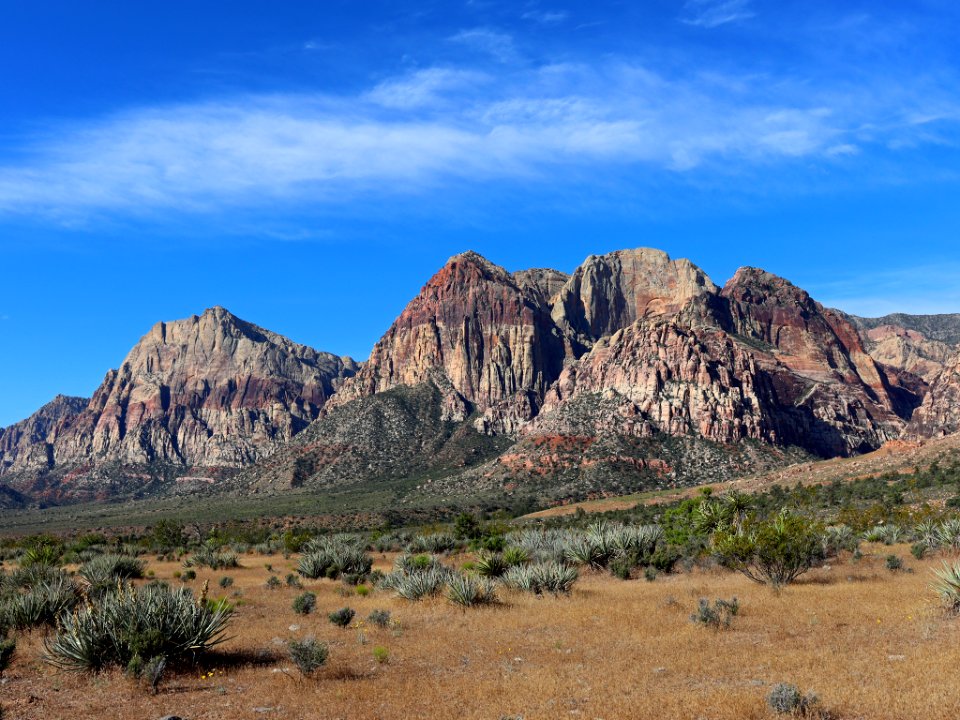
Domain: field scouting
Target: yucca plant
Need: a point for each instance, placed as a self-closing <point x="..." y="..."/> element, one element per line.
<point x="211" y="557"/>
<point x="42" y="604"/>
<point x="491" y="565"/>
<point x="551" y="577"/>
<point x="948" y="534"/>
<point x="101" y="574"/>
<point x="947" y="585"/>
<point x="416" y="584"/>
<point x="468" y="591"/>
<point x="333" y="557"/>
<point x="436" y="543"/>
<point x="839" y="538"/>
<point x="152" y="621"/>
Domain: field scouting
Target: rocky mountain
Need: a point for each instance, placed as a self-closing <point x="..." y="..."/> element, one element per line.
<point x="943" y="328"/>
<point x="634" y="371"/>
<point x="489" y="336"/>
<point x="634" y="366"/>
<point x="210" y="391"/>
<point x="939" y="414"/>
<point x="28" y="444"/>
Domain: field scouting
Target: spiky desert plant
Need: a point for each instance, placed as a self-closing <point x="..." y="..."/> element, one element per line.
<point x="42" y="604"/>
<point x="436" y="543"/>
<point x="491" y="565"/>
<point x="515" y="556"/>
<point x="417" y="584"/>
<point x="839" y="538"/>
<point x="151" y="621"/>
<point x="948" y="534"/>
<point x="927" y="534"/>
<point x="467" y="591"/>
<point x="211" y="557"/>
<point x="334" y="556"/>
<point x="101" y="573"/>
<point x="380" y="618"/>
<point x="539" y="578"/>
<point x="947" y="585"/>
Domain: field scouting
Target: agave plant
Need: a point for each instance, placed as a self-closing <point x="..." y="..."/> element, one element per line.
<point x="213" y="558"/>
<point x="927" y="533"/>
<point x="101" y="574"/>
<point x="541" y="577"/>
<point x="468" y="591"/>
<point x="334" y="556"/>
<point x="948" y="534"/>
<point x="947" y="585"/>
<point x="491" y="565"/>
<point x="152" y="621"/>
<point x="838" y="538"/>
<point x="42" y="604"/>
<point x="436" y="543"/>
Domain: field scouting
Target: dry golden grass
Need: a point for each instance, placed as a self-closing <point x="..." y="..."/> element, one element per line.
<point x="871" y="643"/>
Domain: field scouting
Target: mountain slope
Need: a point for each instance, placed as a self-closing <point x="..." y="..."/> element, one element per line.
<point x="210" y="391"/>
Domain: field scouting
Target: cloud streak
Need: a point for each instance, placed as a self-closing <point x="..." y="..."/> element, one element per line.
<point x="713" y="13"/>
<point x="416" y="131"/>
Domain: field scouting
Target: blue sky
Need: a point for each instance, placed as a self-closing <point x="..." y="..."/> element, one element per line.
<point x="309" y="165"/>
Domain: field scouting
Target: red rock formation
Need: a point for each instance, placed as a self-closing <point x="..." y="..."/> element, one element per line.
<point x="491" y="338"/>
<point x="610" y="292"/>
<point x="207" y="391"/>
<point x="28" y="444"/>
<point x="939" y="414"/>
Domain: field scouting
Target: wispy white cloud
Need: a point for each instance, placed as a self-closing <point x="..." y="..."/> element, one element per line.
<point x="546" y="17"/>
<point x="424" y="87"/>
<point x="713" y="13"/>
<point x="499" y="45"/>
<point x="419" y="130"/>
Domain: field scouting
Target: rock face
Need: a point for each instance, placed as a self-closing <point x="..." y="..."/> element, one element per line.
<point x="939" y="414"/>
<point x="635" y="370"/>
<point x="489" y="336"/>
<point x="208" y="391"/>
<point x="609" y="292"/>
<point x="29" y="443"/>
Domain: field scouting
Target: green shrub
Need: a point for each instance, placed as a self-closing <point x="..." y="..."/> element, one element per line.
<point x="363" y="590"/>
<point x="146" y="622"/>
<point x="304" y="603"/>
<point x="775" y="552"/>
<point x="273" y="583"/>
<point x="918" y="550"/>
<point x="718" y="616"/>
<point x="380" y="618"/>
<point x="188" y="575"/>
<point x="467" y="591"/>
<point x="650" y="573"/>
<point x="894" y="563"/>
<point x="226" y="581"/>
<point x="308" y="654"/>
<point x="381" y="654"/>
<point x="293" y="581"/>
<point x="341" y="617"/>
<point x="786" y="699"/>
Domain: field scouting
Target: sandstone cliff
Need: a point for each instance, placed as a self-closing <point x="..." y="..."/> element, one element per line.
<point x="939" y="414"/>
<point x="207" y="391"/>
<point x="492" y="338"/>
